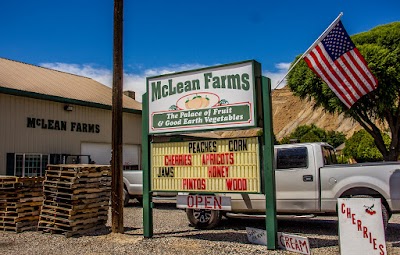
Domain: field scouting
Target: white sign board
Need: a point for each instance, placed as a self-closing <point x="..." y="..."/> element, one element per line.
<point x="360" y="226"/>
<point x="286" y="241"/>
<point x="294" y="243"/>
<point x="257" y="236"/>
<point x="209" y="98"/>
<point x="207" y="202"/>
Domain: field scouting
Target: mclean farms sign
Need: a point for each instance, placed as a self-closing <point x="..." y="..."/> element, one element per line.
<point x="210" y="98"/>
<point x="62" y="125"/>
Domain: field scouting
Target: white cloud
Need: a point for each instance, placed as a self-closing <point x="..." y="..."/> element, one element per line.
<point x="99" y="74"/>
<point x="132" y="81"/>
<point x="137" y="81"/>
<point x="277" y="76"/>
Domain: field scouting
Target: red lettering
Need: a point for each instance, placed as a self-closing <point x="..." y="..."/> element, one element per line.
<point x="189" y="201"/>
<point x="193" y="184"/>
<point x="218" y="202"/>
<point x="343" y="208"/>
<point x="231" y="161"/>
<point x="382" y="251"/>
<point x="348" y="211"/>
<point x="287" y="241"/>
<point x="291" y="243"/>
<point x="374" y="244"/>
<point x="359" y="225"/>
<point x="365" y="232"/>
<point x="303" y="244"/>
<point x="178" y="160"/>
<point x="353" y="219"/>
<point x="203" y="184"/>
<point x="207" y="203"/>
<point x="282" y="241"/>
<point x="218" y="158"/>
<point x="199" y="200"/>
<point x="236" y="184"/>
<point x="218" y="171"/>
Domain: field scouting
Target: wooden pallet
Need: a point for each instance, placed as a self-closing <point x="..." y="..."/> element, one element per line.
<point x="68" y="232"/>
<point x="51" y="210"/>
<point x="76" y="198"/>
<point x="7" y="182"/>
<point x="19" y="226"/>
<point x="21" y="199"/>
<point x="78" y="205"/>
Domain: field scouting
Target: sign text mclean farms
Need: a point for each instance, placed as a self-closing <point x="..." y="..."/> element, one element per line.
<point x="234" y="81"/>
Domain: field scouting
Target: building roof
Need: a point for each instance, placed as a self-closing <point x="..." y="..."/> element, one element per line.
<point x="38" y="82"/>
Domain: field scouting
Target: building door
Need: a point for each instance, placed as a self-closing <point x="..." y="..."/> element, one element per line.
<point x="101" y="154"/>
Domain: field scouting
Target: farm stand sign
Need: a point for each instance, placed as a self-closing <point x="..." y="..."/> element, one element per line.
<point x="226" y="165"/>
<point x="210" y="98"/>
<point x="361" y="226"/>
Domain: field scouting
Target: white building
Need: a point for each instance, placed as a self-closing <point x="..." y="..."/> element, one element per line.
<point x="47" y="114"/>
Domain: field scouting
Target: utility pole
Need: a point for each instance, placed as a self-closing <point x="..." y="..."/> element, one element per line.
<point x="117" y="209"/>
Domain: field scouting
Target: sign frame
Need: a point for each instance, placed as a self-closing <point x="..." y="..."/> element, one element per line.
<point x="262" y="118"/>
<point x="254" y="187"/>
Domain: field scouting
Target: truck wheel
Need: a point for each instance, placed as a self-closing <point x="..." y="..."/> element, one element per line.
<point x="385" y="213"/>
<point x="126" y="198"/>
<point x="203" y="219"/>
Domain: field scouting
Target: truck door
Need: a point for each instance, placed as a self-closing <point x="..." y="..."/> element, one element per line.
<point x="296" y="181"/>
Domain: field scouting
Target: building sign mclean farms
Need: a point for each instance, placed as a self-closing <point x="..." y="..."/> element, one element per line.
<point x="225" y="165"/>
<point x="210" y="98"/>
<point x="62" y="125"/>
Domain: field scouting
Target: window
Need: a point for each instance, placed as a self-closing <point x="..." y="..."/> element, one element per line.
<point x="329" y="155"/>
<point x="295" y="157"/>
<point x="27" y="165"/>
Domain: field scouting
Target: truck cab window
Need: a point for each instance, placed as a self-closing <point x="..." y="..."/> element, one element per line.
<point x="296" y="157"/>
<point x="329" y="155"/>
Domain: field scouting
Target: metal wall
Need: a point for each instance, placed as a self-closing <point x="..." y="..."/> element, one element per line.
<point x="23" y="127"/>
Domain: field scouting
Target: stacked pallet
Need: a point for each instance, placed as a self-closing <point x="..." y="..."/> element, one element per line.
<point x="20" y="202"/>
<point x="76" y="199"/>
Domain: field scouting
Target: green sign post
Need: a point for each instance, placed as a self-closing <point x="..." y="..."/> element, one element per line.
<point x="269" y="173"/>
<point x="230" y="97"/>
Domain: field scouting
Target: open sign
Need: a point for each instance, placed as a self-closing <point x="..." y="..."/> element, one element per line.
<point x="208" y="202"/>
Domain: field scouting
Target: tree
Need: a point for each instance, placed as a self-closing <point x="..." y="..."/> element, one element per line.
<point x="362" y="148"/>
<point x="312" y="133"/>
<point x="381" y="49"/>
<point x="335" y="138"/>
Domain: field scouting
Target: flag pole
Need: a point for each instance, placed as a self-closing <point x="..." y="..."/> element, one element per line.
<point x="327" y="30"/>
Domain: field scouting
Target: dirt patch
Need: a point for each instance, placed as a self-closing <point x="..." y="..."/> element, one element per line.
<point x="122" y="238"/>
<point x="289" y="112"/>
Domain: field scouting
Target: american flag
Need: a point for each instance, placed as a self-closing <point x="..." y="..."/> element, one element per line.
<point x="339" y="63"/>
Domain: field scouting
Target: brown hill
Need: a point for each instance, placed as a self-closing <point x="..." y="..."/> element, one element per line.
<point x="290" y="112"/>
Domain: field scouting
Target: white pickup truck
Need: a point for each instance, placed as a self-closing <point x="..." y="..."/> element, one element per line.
<point x="308" y="181"/>
<point x="133" y="187"/>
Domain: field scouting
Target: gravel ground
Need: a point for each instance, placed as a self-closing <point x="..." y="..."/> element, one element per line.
<point x="173" y="235"/>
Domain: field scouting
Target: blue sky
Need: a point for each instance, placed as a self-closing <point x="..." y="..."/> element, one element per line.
<point x="160" y="37"/>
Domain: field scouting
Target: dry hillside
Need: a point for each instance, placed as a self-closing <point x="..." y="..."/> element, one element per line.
<point x="290" y="112"/>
